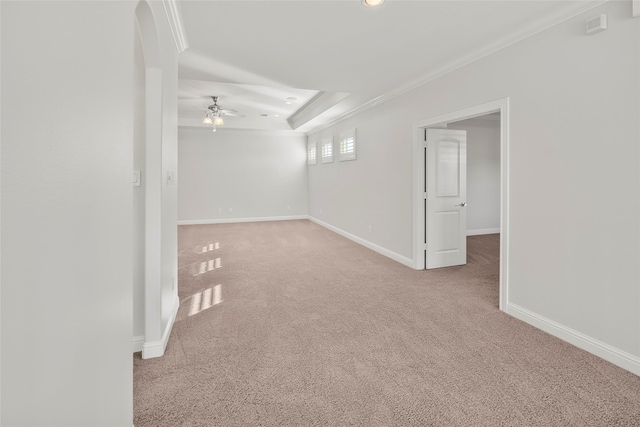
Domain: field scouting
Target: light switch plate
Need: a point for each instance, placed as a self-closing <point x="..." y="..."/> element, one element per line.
<point x="136" y="178"/>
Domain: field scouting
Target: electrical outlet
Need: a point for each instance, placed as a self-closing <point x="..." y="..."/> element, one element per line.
<point x="219" y="210"/>
<point x="230" y="210"/>
<point x="370" y="228"/>
<point x="288" y="207"/>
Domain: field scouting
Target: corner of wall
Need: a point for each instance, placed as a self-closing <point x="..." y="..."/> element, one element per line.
<point x="138" y="343"/>
<point x="157" y="348"/>
<point x="367" y="244"/>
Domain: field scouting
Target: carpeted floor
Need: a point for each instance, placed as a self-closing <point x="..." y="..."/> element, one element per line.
<point x="289" y="324"/>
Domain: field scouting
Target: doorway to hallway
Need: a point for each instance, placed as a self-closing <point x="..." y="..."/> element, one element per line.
<point x="476" y="173"/>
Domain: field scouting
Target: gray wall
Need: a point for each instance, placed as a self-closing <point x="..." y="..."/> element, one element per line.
<point x="574" y="198"/>
<point x="68" y="221"/>
<point x="66" y="213"/>
<point x="258" y="175"/>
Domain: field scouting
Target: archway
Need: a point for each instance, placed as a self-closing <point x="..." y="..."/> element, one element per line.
<point x="147" y="198"/>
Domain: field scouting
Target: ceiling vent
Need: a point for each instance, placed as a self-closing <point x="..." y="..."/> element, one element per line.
<point x="597" y="24"/>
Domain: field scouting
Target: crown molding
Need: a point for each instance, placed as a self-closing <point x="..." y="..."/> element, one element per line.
<point x="174" y="17"/>
<point x="524" y="33"/>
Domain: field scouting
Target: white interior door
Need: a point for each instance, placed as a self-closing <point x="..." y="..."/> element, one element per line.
<point x="445" y="198"/>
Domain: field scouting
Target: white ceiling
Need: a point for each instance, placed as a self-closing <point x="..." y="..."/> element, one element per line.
<point x="340" y="55"/>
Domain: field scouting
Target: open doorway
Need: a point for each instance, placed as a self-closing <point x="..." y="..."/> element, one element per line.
<point x="483" y="173"/>
<point x="489" y="172"/>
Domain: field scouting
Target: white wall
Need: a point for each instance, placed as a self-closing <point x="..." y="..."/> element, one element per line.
<point x="574" y="198"/>
<point x="483" y="173"/>
<point x="258" y="175"/>
<point x="66" y="213"/>
<point x="374" y="190"/>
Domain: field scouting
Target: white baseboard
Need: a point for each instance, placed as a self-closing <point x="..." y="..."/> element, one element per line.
<point x="156" y="348"/>
<point x="482" y="231"/>
<point x="367" y="244"/>
<point x="138" y="342"/>
<point x="605" y="351"/>
<point x="232" y="220"/>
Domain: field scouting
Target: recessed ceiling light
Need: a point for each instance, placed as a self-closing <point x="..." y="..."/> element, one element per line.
<point x="264" y="115"/>
<point x="372" y="2"/>
<point x="276" y="115"/>
<point x="290" y="100"/>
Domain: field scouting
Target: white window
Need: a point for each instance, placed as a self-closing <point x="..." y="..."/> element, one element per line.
<point x="326" y="152"/>
<point x="348" y="145"/>
<point x="311" y="153"/>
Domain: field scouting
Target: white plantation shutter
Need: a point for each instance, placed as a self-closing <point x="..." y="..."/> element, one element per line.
<point x="326" y="152"/>
<point x="348" y="145"/>
<point x="312" y="158"/>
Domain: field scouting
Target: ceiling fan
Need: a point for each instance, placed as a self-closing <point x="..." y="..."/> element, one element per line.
<point x="215" y="110"/>
<point x="214" y="113"/>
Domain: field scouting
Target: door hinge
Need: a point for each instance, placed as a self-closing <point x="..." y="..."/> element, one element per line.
<point x="425" y="246"/>
<point x="424" y="195"/>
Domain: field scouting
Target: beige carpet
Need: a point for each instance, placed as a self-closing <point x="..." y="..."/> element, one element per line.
<point x="289" y="324"/>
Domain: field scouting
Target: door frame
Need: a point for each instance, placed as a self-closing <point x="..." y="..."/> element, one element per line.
<point x="419" y="219"/>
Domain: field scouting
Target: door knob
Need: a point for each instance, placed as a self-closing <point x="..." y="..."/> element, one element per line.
<point x="462" y="205"/>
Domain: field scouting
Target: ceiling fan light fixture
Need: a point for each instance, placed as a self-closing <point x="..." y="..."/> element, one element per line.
<point x="372" y="3"/>
<point x="207" y="120"/>
<point x="218" y="121"/>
